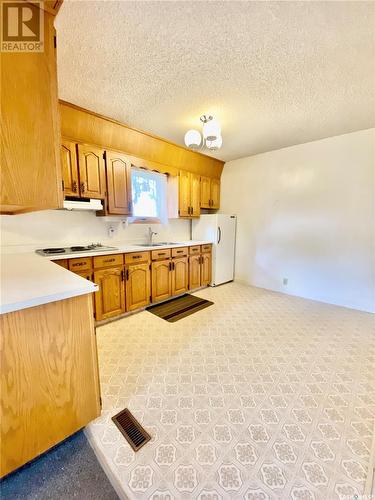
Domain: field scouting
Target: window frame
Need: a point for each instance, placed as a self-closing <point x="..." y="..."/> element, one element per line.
<point x="137" y="219"/>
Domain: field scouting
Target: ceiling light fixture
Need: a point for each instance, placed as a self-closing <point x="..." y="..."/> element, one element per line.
<point x="211" y="132"/>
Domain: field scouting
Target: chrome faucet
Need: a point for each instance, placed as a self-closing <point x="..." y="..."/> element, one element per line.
<point x="150" y="235"/>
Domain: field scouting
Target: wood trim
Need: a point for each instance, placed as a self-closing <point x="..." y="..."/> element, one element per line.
<point x="83" y="125"/>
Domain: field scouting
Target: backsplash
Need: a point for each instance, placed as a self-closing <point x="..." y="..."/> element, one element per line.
<point x="51" y="228"/>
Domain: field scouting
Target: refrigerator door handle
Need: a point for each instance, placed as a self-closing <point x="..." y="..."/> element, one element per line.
<point x="218" y="235"/>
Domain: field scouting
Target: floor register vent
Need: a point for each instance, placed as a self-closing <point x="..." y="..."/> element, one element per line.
<point x="131" y="429"/>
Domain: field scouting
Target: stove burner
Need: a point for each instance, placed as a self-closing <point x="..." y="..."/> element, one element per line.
<point x="79" y="249"/>
<point x="54" y="250"/>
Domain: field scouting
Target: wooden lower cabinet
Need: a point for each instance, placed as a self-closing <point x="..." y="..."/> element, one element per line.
<point x="206" y="268"/>
<point x="138" y="288"/>
<point x="194" y="271"/>
<point x="161" y="285"/>
<point x="110" y="298"/>
<point x="180" y="275"/>
<point x="49" y="377"/>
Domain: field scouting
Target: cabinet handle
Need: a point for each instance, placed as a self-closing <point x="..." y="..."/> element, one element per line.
<point x="180" y="251"/>
<point x="137" y="256"/>
<point x="127" y="275"/>
<point x="122" y="275"/>
<point x="109" y="260"/>
<point x="173" y="264"/>
<point x="161" y="254"/>
<point x="192" y="210"/>
<point x="74" y="186"/>
<point x="83" y="187"/>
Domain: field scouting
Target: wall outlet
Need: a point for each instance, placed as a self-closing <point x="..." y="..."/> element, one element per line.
<point x="285" y="281"/>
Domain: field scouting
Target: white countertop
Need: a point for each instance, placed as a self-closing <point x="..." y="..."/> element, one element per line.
<point x="126" y="249"/>
<point x="29" y="279"/>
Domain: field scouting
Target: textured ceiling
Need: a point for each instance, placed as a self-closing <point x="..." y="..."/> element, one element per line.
<point x="274" y="73"/>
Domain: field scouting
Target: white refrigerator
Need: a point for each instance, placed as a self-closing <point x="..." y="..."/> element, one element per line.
<point x="220" y="229"/>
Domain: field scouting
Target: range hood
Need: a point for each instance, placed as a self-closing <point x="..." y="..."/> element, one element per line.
<point x="83" y="204"/>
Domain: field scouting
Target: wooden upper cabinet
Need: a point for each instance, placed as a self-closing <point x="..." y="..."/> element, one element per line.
<point x="180" y="275"/>
<point x="215" y="193"/>
<point x="138" y="288"/>
<point x="161" y="284"/>
<point x="206" y="268"/>
<point x="194" y="271"/>
<point x="91" y="171"/>
<point x="184" y="193"/>
<point x="119" y="192"/>
<point x="69" y="166"/>
<point x="110" y="298"/>
<point x="189" y="194"/>
<point x="195" y="195"/>
<point x="205" y="192"/>
<point x="30" y="177"/>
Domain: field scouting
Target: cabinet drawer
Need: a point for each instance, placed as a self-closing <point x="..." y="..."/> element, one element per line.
<point x="195" y="249"/>
<point x="108" y="260"/>
<point x="137" y="257"/>
<point x="180" y="252"/>
<point x="206" y="248"/>
<point x="161" y="254"/>
<point x="62" y="263"/>
<point x="80" y="264"/>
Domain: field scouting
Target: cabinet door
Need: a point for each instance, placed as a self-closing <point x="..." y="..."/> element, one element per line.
<point x="69" y="167"/>
<point x="215" y="193"/>
<point x="118" y="184"/>
<point x="110" y="298"/>
<point x="91" y="171"/>
<point x="184" y="194"/>
<point x="30" y="173"/>
<point x="195" y="195"/>
<point x="206" y="269"/>
<point x="137" y="286"/>
<point x="180" y="275"/>
<point x="161" y="288"/>
<point x="205" y="192"/>
<point x="194" y="272"/>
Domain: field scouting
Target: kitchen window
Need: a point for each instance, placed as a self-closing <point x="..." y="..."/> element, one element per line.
<point x="149" y="195"/>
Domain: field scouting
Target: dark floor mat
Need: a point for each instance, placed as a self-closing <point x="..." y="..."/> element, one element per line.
<point x="68" y="471"/>
<point x="179" y="308"/>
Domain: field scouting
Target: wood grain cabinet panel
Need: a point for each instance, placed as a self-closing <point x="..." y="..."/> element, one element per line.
<point x="205" y="269"/>
<point x="194" y="272"/>
<point x="180" y="275"/>
<point x="62" y="263"/>
<point x="205" y="192"/>
<point x="138" y="288"/>
<point x="30" y="174"/>
<point x="91" y="171"/>
<point x="215" y="193"/>
<point x="49" y="377"/>
<point x="69" y="166"/>
<point x="195" y="195"/>
<point x="110" y="298"/>
<point x="119" y="193"/>
<point x="161" y="284"/>
<point x="80" y="264"/>
<point x="111" y="260"/>
<point x="184" y="193"/>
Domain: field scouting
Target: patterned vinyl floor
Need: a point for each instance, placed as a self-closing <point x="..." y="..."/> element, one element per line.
<point x="260" y="396"/>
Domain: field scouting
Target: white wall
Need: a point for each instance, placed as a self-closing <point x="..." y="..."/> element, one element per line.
<point x="306" y="213"/>
<point x="63" y="228"/>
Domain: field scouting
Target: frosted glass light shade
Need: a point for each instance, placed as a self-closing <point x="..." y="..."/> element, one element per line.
<point x="216" y="144"/>
<point x="211" y="130"/>
<point x="193" y="139"/>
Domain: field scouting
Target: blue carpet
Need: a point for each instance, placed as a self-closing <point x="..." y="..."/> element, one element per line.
<point x="69" y="470"/>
